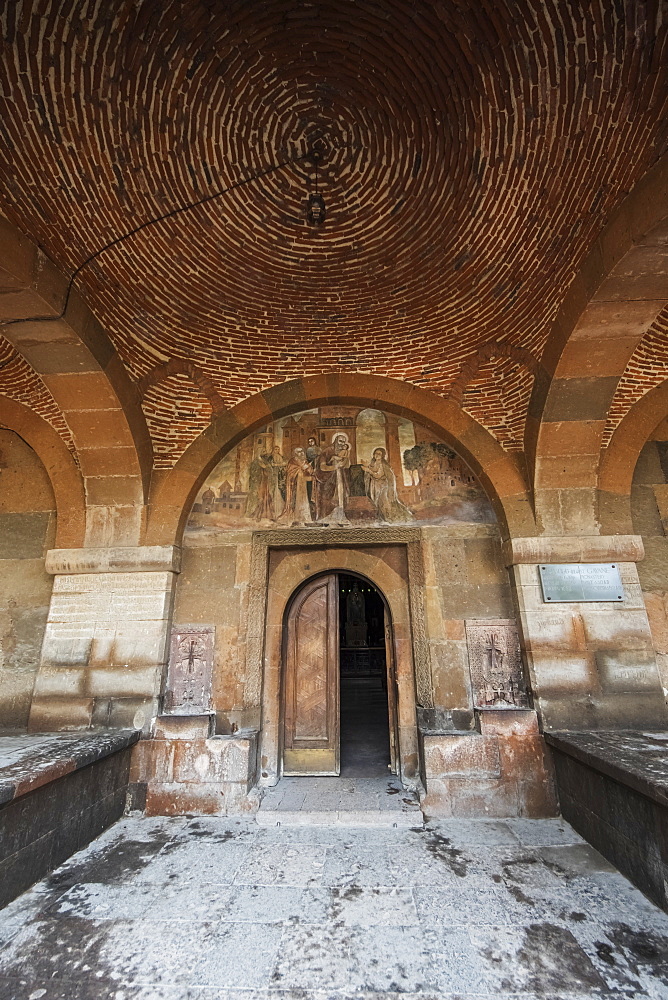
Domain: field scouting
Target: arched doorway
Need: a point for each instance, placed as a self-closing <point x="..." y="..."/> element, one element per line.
<point x="339" y="694"/>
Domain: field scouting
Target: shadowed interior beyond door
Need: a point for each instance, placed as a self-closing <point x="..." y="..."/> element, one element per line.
<point x="339" y="688"/>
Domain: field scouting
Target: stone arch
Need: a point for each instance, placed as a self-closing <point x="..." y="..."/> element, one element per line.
<point x="295" y="569"/>
<point x="617" y="295"/>
<point x="621" y="456"/>
<point x="501" y="474"/>
<point x="74" y="357"/>
<point x="66" y="480"/>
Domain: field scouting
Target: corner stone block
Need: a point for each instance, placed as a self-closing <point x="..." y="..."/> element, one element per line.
<point x="123" y="681"/>
<point x="507" y="722"/>
<point x="60" y="682"/>
<point x="618" y="629"/>
<point x="183" y="727"/>
<point x="51" y="715"/>
<point x="217" y="759"/>
<point x="470" y="755"/>
<point x="628" y="671"/>
<point x="459" y="798"/>
<point x="563" y="672"/>
<point x="559" y="629"/>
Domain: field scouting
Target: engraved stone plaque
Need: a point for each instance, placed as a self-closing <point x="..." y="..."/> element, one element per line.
<point x="563" y="582"/>
<point x="495" y="662"/>
<point x="190" y="669"/>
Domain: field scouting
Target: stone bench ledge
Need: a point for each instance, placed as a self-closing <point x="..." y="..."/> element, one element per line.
<point x="28" y="762"/>
<point x="636" y="759"/>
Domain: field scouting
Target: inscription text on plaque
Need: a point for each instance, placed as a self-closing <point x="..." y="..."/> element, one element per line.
<point x="562" y="582"/>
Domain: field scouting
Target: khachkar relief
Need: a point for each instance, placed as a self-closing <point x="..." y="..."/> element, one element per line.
<point x="495" y="662"/>
<point x="190" y="670"/>
<point x="339" y="466"/>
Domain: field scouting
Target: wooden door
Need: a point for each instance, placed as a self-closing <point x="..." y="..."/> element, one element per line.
<point x="392" y="698"/>
<point x="311" y="680"/>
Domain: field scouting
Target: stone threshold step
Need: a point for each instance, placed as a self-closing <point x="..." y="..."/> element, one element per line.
<point x="339" y="817"/>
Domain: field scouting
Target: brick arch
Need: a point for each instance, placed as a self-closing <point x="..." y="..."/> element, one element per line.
<point x="617" y="295"/>
<point x="500" y="473"/>
<point x="180" y="366"/>
<point x="66" y="480"/>
<point x="493" y="349"/>
<point x="621" y="456"/>
<point x="78" y="364"/>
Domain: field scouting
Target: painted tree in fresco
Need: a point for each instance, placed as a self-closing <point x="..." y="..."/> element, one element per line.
<point x="417" y="458"/>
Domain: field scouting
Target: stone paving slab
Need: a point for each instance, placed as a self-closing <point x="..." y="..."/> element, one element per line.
<point x="343" y="801"/>
<point x="215" y="909"/>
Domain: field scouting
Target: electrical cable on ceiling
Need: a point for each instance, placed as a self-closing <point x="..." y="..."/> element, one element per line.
<point x="145" y="225"/>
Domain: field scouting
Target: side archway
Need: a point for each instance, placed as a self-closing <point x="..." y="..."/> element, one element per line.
<point x="617" y="295"/>
<point x="66" y="480"/>
<point x="621" y="457"/>
<point x="72" y="354"/>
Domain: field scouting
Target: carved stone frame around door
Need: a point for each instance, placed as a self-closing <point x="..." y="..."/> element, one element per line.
<point x="391" y="558"/>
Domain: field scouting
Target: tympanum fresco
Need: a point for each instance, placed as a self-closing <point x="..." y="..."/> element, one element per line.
<point x="339" y="465"/>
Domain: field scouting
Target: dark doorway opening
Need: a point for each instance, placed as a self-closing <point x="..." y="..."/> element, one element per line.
<point x="364" y="718"/>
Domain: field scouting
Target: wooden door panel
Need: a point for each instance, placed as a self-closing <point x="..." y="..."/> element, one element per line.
<point x="311" y="681"/>
<point x="310" y="668"/>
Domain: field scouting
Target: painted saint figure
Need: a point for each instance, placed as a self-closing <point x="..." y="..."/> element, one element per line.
<point x="332" y="481"/>
<point x="380" y="484"/>
<point x="312" y="450"/>
<point x="297" y="508"/>
<point x="276" y="473"/>
<point x="258" y="503"/>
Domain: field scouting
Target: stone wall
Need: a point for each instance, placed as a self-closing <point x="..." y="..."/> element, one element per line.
<point x="106" y="639"/>
<point x="27" y="530"/>
<point x="456" y="573"/>
<point x="649" y="506"/>
<point x="591" y="664"/>
<point x="464" y="577"/>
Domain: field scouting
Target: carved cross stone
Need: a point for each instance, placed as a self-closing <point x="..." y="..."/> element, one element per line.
<point x="190" y="669"/>
<point x="495" y="662"/>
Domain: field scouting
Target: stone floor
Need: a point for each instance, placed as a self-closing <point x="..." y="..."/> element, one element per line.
<point x="225" y="910"/>
<point x="344" y="801"/>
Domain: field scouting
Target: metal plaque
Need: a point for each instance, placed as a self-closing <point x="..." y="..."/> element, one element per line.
<point x="578" y="582"/>
<point x="190" y="669"/>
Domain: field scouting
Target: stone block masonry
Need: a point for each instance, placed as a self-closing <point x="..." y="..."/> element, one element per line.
<point x="185" y="769"/>
<point x="105" y="645"/>
<point x="592" y="665"/>
<point x="500" y="770"/>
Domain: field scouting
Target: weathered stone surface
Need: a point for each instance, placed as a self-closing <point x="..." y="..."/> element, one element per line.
<point x="128" y="559"/>
<point x="461" y="905"/>
<point x="184" y="727"/>
<point x="577" y="548"/>
<point x="28" y="763"/>
<point x="614" y="789"/>
<point x="503" y="771"/>
<point x="185" y="772"/>
<point x="472" y="755"/>
<point x="113" y="625"/>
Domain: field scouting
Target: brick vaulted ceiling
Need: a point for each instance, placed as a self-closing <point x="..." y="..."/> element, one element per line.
<point x="473" y="151"/>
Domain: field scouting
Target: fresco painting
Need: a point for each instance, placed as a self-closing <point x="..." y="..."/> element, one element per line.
<point x="339" y="466"/>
